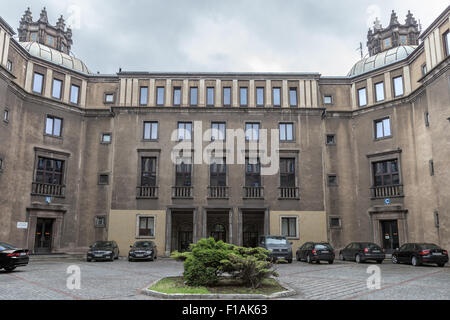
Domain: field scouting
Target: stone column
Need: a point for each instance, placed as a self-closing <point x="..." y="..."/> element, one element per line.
<point x="168" y="231"/>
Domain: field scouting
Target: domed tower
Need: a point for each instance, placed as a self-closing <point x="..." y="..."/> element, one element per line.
<point x="56" y="37"/>
<point x="380" y="39"/>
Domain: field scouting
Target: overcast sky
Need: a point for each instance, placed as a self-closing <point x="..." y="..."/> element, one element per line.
<point x="221" y="35"/>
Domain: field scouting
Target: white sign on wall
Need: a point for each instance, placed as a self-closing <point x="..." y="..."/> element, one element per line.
<point x="22" y="225"/>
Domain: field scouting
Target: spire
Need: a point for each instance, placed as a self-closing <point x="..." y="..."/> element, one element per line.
<point x="410" y="19"/>
<point x="377" y="24"/>
<point x="394" y="19"/>
<point x="43" y="18"/>
<point x="61" y="24"/>
<point x="27" y="18"/>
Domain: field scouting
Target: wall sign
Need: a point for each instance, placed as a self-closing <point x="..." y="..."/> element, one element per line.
<point x="22" y="225"/>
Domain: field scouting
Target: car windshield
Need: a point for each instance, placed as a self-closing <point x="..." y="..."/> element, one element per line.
<point x="424" y="246"/>
<point x="372" y="246"/>
<point x="276" y="240"/>
<point x="323" y="246"/>
<point x="142" y="244"/>
<point x="102" y="244"/>
<point x="6" y="246"/>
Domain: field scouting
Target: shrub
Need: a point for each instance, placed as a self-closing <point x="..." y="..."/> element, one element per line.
<point x="180" y="256"/>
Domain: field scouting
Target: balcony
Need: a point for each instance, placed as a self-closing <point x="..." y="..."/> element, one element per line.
<point x="146" y="192"/>
<point x="46" y="189"/>
<point x="289" y="193"/>
<point x="253" y="192"/>
<point x="382" y="192"/>
<point x="182" y="192"/>
<point x="218" y="192"/>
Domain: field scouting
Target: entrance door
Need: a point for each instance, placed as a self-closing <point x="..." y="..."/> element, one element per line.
<point x="219" y="233"/>
<point x="184" y="240"/>
<point x="389" y="229"/>
<point x="44" y="236"/>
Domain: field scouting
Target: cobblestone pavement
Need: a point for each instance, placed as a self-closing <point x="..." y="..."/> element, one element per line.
<point x="46" y="280"/>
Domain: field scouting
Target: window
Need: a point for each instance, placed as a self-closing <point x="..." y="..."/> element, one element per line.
<point x="252" y="131"/>
<point x="424" y="69"/>
<point x="210" y="96"/>
<point x="386" y="173"/>
<point x="327" y="100"/>
<point x="332" y="180"/>
<point x="194" y="96"/>
<point x="252" y="173"/>
<point x="6" y="115"/>
<point x="109" y="97"/>
<point x="289" y="227"/>
<point x="287" y="172"/>
<point x="184" y="130"/>
<point x="150" y="130"/>
<point x="286" y="132"/>
<point x="335" y="222"/>
<point x="33" y="36"/>
<point x="38" y="82"/>
<point x="382" y="128"/>
<point x="100" y="222"/>
<point x="379" y="91"/>
<point x="57" y="89"/>
<point x="50" y="41"/>
<point x="427" y="119"/>
<point x="226" y="97"/>
<point x="160" y="96"/>
<point x="143" y="96"/>
<point x="103" y="179"/>
<point x="74" y="94"/>
<point x="447" y="43"/>
<point x="403" y="40"/>
<point x="53" y="126"/>
<point x="243" y="97"/>
<point x="106" y="138"/>
<point x="362" y="95"/>
<point x="387" y="42"/>
<point x="331" y="140"/>
<point x="49" y="171"/>
<point x="218" y="173"/>
<point x="218" y="130"/>
<point x="276" y="96"/>
<point x="259" y="97"/>
<point x="146" y="226"/>
<point x="293" y="97"/>
<point x="148" y="172"/>
<point x="9" y="65"/>
<point x="431" y="165"/>
<point x="398" y="86"/>
<point x="183" y="174"/>
<point x="176" y="96"/>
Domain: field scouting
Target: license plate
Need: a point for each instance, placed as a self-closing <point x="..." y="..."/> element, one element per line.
<point x="139" y="255"/>
<point x="437" y="254"/>
<point x="325" y="251"/>
<point x="376" y="251"/>
<point x="23" y="254"/>
<point x="98" y="255"/>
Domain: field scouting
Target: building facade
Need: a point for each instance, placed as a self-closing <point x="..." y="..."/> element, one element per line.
<point x="362" y="157"/>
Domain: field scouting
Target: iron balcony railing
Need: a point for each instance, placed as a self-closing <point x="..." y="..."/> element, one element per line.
<point x="386" y="191"/>
<point x="253" y="192"/>
<point x="182" y="192"/>
<point x="289" y="193"/>
<point x="218" y="192"/>
<point x="46" y="189"/>
<point x="146" y="192"/>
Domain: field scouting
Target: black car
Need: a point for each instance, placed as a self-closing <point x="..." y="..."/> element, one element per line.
<point x="315" y="251"/>
<point x="143" y="250"/>
<point x="12" y="257"/>
<point x="103" y="250"/>
<point x="419" y="253"/>
<point x="279" y="247"/>
<point x="362" y="251"/>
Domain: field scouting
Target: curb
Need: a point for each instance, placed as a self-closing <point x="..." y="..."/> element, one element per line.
<point x="221" y="296"/>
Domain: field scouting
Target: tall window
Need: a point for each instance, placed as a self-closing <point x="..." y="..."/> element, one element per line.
<point x="183" y="174"/>
<point x="146" y="226"/>
<point x="210" y="96"/>
<point x="150" y="130"/>
<point x="362" y="95"/>
<point x="293" y="97"/>
<point x="74" y="94"/>
<point x="286" y="131"/>
<point x="160" y="96"/>
<point x="148" y="172"/>
<point x="379" y="91"/>
<point x="382" y="128"/>
<point x="9" y="65"/>
<point x="398" y="86"/>
<point x="276" y="96"/>
<point x="53" y="126"/>
<point x="386" y="173"/>
<point x="252" y="173"/>
<point x="243" y="97"/>
<point x="143" y="96"/>
<point x="176" y="96"/>
<point x="184" y="130"/>
<point x="194" y="96"/>
<point x="218" y="173"/>
<point x="287" y="172"/>
<point x="38" y="82"/>
<point x="218" y="130"/>
<point x="403" y="40"/>
<point x="252" y="131"/>
<point x="259" y="97"/>
<point x="447" y="43"/>
<point x="57" y="89"/>
<point x="49" y="171"/>
<point x="289" y="227"/>
<point x="226" y="97"/>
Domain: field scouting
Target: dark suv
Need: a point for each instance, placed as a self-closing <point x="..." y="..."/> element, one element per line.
<point x="362" y="251"/>
<point x="279" y="247"/>
<point x="103" y="250"/>
<point x="315" y="251"/>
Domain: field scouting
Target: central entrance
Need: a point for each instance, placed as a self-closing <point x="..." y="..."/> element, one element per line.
<point x="182" y="230"/>
<point x="252" y="228"/>
<point x="44" y="236"/>
<point x="389" y="229"/>
<point x="218" y="225"/>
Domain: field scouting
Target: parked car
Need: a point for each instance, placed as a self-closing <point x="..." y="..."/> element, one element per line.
<point x="103" y="250"/>
<point x="419" y="253"/>
<point x="315" y="251"/>
<point x="362" y="251"/>
<point x="12" y="257"/>
<point x="279" y="247"/>
<point x="143" y="250"/>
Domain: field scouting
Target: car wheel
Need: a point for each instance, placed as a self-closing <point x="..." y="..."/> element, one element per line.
<point x="379" y="261"/>
<point x="9" y="269"/>
<point x="88" y="260"/>
<point x="112" y="258"/>
<point x="308" y="259"/>
<point x="289" y="261"/>
<point x="318" y="261"/>
<point x="440" y="265"/>
<point x="330" y="261"/>
<point x="341" y="257"/>
<point x="415" y="261"/>
<point x="394" y="259"/>
<point x="358" y="258"/>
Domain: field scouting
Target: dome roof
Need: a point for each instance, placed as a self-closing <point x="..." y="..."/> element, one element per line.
<point x="381" y="59"/>
<point x="55" y="56"/>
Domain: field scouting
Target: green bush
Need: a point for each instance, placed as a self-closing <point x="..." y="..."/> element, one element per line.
<point x="180" y="256"/>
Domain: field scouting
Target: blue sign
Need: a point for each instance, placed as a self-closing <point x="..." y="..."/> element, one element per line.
<point x="48" y="199"/>
<point x="387" y="201"/>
